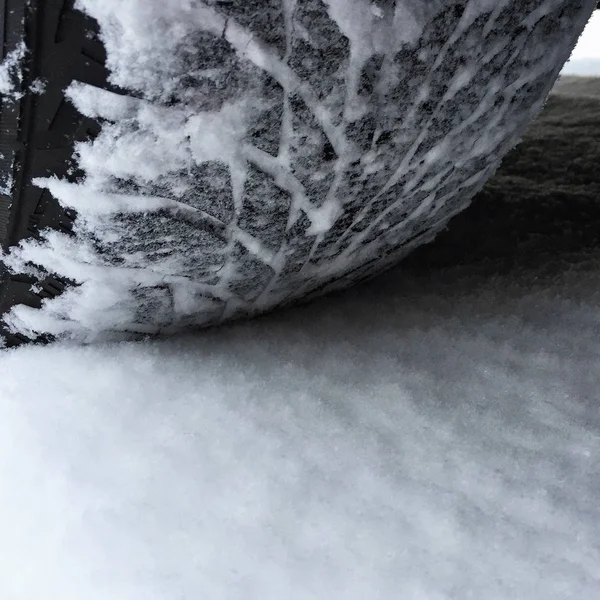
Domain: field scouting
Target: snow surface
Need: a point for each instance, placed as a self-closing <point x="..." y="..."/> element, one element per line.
<point x="416" y="438"/>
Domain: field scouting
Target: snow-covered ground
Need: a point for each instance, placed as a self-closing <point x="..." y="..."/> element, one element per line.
<point x="430" y="435"/>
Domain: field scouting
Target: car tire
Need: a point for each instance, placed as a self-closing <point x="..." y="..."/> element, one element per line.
<point x="356" y="144"/>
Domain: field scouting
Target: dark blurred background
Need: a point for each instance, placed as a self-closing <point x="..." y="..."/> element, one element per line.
<point x="542" y="208"/>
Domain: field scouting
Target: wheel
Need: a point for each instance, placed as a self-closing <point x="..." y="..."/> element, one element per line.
<point x="179" y="164"/>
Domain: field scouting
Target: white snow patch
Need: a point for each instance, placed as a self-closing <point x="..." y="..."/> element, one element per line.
<point x="360" y="21"/>
<point x="97" y="103"/>
<point x="323" y="217"/>
<point x="88" y="202"/>
<point x="217" y="135"/>
<point x="376" y="26"/>
<point x="6" y="182"/>
<point x="10" y="72"/>
<point x="38" y="86"/>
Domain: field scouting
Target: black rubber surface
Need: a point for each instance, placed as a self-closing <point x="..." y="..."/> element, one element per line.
<point x="12" y="33"/>
<point x="61" y="47"/>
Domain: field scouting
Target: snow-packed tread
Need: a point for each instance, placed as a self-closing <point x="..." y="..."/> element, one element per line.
<point x="350" y="149"/>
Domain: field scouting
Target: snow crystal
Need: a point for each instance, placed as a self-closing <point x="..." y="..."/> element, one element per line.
<point x="38" y="86"/>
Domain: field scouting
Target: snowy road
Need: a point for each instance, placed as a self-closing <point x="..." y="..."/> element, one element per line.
<point x="424" y="436"/>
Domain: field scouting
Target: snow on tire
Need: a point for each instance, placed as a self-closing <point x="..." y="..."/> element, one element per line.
<point x="254" y="152"/>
